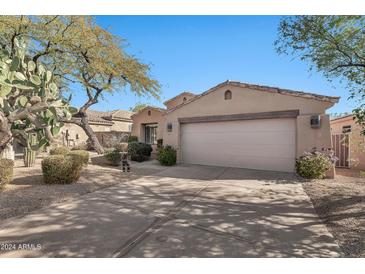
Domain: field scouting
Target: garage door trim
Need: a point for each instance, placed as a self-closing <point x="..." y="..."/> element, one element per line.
<point x="242" y="116"/>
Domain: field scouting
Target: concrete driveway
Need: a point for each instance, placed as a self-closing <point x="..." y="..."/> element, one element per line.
<point x="182" y="211"/>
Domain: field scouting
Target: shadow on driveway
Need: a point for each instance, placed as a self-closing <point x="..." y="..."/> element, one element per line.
<point x="182" y="211"/>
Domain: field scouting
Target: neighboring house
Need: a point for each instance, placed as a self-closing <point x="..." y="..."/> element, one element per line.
<point x="100" y="121"/>
<point x="348" y="142"/>
<point x="236" y="124"/>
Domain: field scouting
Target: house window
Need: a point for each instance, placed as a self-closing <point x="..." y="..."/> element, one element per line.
<point x="346" y="129"/>
<point x="151" y="134"/>
<point x="169" y="127"/>
<point x="184" y="99"/>
<point x="228" y="95"/>
<point x="149" y="113"/>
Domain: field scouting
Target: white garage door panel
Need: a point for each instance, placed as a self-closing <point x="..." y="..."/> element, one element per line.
<point x="267" y="144"/>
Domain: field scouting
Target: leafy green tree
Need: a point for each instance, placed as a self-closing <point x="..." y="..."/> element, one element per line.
<point x="30" y="100"/>
<point x="138" y="107"/>
<point x="334" y="45"/>
<point x="80" y="53"/>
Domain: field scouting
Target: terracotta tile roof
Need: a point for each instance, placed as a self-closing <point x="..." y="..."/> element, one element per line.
<point x="308" y="95"/>
<point x="342" y="117"/>
<point x="120" y="113"/>
<point x="107" y="117"/>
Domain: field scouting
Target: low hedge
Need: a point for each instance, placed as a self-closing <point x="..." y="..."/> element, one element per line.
<point x="139" y="151"/>
<point x="59" y="151"/>
<point x="83" y="154"/>
<point x="6" y="171"/>
<point x="61" y="169"/>
<point x="113" y="157"/>
<point x="167" y="156"/>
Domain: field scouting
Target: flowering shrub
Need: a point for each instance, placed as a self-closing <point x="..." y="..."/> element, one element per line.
<point x="315" y="163"/>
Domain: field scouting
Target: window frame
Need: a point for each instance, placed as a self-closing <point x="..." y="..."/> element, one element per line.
<point x="150" y="134"/>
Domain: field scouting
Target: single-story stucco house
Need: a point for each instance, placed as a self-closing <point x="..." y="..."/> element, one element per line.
<point x="348" y="142"/>
<point x="100" y="121"/>
<point x="107" y="125"/>
<point x="236" y="124"/>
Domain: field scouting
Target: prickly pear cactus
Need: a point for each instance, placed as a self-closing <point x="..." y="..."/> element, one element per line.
<point x="30" y="101"/>
<point x="29" y="153"/>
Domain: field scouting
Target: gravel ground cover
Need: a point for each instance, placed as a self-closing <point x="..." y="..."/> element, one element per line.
<point x="340" y="202"/>
<point x="27" y="191"/>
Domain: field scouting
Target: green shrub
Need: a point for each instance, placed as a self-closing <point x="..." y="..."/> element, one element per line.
<point x="61" y="169"/>
<point x="121" y="147"/>
<point x="315" y="164"/>
<point x="132" y="139"/>
<point x="167" y="156"/>
<point x="59" y="151"/>
<point x="113" y="157"/>
<point x="139" y="151"/>
<point x="6" y="171"/>
<point x="83" y="154"/>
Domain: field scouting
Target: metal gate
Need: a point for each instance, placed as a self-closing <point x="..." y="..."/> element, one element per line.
<point x="341" y="146"/>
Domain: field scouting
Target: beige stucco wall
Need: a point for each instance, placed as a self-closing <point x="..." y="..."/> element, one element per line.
<point x="245" y="100"/>
<point x="142" y="118"/>
<point x="308" y="138"/>
<point x="101" y="127"/>
<point x="178" y="100"/>
<point x="74" y="130"/>
<point x="121" y="126"/>
<point x="357" y="141"/>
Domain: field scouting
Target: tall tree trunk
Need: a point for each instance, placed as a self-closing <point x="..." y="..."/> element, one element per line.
<point x="84" y="124"/>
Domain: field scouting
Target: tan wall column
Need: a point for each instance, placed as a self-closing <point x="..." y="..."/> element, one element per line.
<point x="308" y="137"/>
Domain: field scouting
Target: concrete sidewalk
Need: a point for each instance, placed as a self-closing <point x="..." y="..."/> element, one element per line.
<point x="182" y="211"/>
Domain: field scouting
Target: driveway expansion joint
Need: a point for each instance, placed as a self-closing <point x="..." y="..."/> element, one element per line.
<point x="158" y="222"/>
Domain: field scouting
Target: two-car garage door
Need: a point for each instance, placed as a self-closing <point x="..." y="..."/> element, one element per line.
<point x="265" y="144"/>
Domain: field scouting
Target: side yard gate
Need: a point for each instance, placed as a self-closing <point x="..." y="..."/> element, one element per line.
<point x="341" y="146"/>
